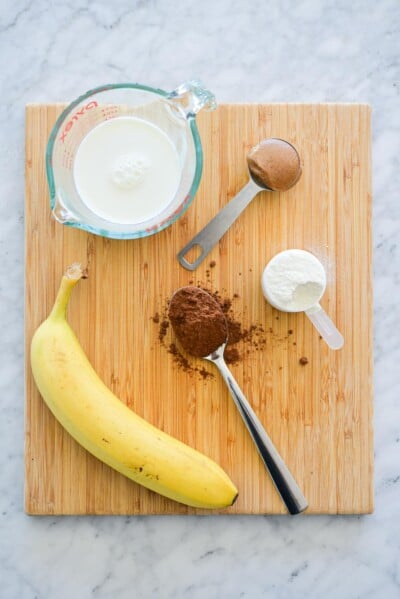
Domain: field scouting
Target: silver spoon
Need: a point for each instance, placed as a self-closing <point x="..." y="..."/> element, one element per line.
<point x="280" y="474"/>
<point x="274" y="165"/>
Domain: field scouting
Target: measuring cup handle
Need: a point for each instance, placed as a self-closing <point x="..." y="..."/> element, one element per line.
<point x="325" y="327"/>
<point x="191" y="97"/>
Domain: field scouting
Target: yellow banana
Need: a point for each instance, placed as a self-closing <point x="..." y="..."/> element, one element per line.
<point x="107" y="428"/>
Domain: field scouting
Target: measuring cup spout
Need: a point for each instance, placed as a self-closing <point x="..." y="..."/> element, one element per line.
<point x="191" y="97"/>
<point x="61" y="212"/>
<point x="325" y="326"/>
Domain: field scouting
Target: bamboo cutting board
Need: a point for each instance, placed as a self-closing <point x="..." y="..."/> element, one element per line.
<point x="319" y="415"/>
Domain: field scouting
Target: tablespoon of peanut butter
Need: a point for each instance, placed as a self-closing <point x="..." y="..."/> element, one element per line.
<point x="274" y="165"/>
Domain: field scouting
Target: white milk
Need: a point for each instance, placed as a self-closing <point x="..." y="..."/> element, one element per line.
<point x="127" y="170"/>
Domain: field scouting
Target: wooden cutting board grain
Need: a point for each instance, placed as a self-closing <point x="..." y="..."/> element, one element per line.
<point x="319" y="415"/>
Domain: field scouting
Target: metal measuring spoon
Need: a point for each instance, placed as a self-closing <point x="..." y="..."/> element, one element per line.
<point x="199" y="323"/>
<point x="274" y="165"/>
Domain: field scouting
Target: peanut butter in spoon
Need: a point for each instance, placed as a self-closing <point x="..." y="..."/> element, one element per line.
<point x="274" y="164"/>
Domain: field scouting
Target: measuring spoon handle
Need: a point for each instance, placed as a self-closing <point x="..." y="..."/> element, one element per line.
<point x="217" y="227"/>
<point x="280" y="474"/>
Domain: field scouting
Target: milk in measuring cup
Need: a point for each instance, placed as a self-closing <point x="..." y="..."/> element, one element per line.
<point x="126" y="170"/>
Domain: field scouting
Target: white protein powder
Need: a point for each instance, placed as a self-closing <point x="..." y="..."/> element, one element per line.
<point x="293" y="280"/>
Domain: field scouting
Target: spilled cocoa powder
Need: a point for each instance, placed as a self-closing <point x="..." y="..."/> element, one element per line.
<point x="184" y="364"/>
<point x="241" y="341"/>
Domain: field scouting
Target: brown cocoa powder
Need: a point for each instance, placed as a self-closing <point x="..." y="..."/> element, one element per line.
<point x="231" y="355"/>
<point x="198" y="321"/>
<point x="183" y="363"/>
<point x="163" y="328"/>
<point x="241" y="341"/>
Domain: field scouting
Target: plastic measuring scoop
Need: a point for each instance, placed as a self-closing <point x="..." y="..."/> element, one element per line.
<point x="306" y="295"/>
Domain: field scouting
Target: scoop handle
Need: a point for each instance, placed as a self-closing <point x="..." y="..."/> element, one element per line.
<point x="209" y="236"/>
<point x="325" y="327"/>
<point x="284" y="482"/>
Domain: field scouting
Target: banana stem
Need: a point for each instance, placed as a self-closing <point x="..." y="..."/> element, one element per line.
<point x="72" y="275"/>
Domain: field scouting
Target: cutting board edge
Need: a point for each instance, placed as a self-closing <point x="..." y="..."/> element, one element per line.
<point x="28" y="507"/>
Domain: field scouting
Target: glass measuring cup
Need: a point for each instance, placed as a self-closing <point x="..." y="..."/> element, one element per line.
<point x="172" y="112"/>
<point x="305" y="295"/>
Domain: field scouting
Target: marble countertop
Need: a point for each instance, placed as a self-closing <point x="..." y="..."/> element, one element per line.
<point x="307" y="50"/>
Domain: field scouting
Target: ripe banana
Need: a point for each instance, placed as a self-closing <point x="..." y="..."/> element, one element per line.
<point x="107" y="428"/>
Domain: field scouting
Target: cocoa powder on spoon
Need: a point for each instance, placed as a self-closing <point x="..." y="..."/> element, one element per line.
<point x="198" y="321"/>
<point x="241" y="340"/>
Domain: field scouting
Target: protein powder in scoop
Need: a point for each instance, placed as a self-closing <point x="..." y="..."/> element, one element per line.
<point x="294" y="280"/>
<point x="274" y="164"/>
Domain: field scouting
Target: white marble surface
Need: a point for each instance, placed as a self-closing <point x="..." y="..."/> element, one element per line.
<point x="245" y="51"/>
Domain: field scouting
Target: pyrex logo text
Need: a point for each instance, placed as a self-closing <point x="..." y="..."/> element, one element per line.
<point x="75" y="117"/>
